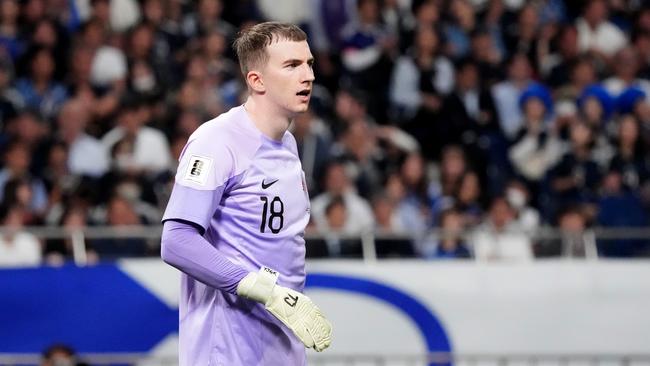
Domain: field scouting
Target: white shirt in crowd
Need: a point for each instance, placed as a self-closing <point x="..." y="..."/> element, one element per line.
<point x="20" y="250"/>
<point x="151" y="149"/>
<point x="87" y="156"/>
<point x="359" y="212"/>
<point x="606" y="37"/>
<point x="510" y="244"/>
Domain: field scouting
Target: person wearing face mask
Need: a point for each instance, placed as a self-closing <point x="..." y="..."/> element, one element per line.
<point x="142" y="79"/>
<point x="526" y="216"/>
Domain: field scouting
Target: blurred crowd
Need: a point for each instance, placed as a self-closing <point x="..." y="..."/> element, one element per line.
<point x="502" y="116"/>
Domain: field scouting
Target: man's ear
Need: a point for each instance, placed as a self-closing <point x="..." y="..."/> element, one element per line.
<point x="255" y="81"/>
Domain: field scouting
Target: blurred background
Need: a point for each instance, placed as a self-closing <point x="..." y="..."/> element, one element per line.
<point x="479" y="175"/>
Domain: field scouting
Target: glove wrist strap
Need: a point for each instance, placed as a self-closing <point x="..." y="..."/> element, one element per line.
<point x="258" y="286"/>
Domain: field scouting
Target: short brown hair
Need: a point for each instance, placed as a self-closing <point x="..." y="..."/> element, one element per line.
<point x="251" y="42"/>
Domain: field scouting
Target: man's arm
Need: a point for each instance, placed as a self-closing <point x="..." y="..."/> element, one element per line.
<point x="184" y="247"/>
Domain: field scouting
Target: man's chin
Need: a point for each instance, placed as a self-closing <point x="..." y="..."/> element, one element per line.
<point x="299" y="110"/>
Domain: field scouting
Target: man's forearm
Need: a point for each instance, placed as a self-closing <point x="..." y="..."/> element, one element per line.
<point x="184" y="248"/>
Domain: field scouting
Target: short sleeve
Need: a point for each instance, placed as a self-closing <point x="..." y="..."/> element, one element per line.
<point x="203" y="172"/>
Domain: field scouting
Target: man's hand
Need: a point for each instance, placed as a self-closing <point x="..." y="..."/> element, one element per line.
<point x="292" y="308"/>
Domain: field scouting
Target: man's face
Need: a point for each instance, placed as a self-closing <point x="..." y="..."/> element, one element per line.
<point x="288" y="76"/>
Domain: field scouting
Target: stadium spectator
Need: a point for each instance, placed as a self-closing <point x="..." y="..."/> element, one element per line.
<point x="86" y="154"/>
<point x="468" y="200"/>
<point x="197" y="74"/>
<point x="468" y="117"/>
<point x="424" y="14"/>
<point x="10" y="99"/>
<point x="506" y="94"/>
<point x="453" y="166"/>
<point x="526" y="216"/>
<point x="596" y="106"/>
<point x="596" y="34"/>
<point x="58" y="251"/>
<point x="412" y="198"/>
<point x="49" y="34"/>
<point x="56" y="175"/>
<point x="573" y="241"/>
<point x="136" y="147"/>
<point x="421" y="78"/>
<point x="221" y="69"/>
<point x="582" y="74"/>
<point x="148" y="51"/>
<point x="328" y="17"/>
<point x="555" y="67"/>
<point x="457" y="29"/>
<point x="499" y="238"/>
<point x="314" y="144"/>
<point x="358" y="148"/>
<point x="576" y="177"/>
<point x="386" y="218"/>
<point x="78" y="81"/>
<point x="18" y="192"/>
<point x="367" y="54"/>
<point x="10" y="39"/>
<point x="38" y="88"/>
<point x="30" y="129"/>
<point x="337" y="183"/>
<point x="626" y="66"/>
<point x="17" y="246"/>
<point x="494" y="22"/>
<point x="109" y="65"/>
<point x="620" y="207"/>
<point x="120" y="213"/>
<point x="486" y="57"/>
<point x="450" y="244"/>
<point x="349" y="105"/>
<point x="630" y="158"/>
<point x="420" y="81"/>
<point x="17" y="159"/>
<point x="207" y="16"/>
<point x="537" y="147"/>
<point x="336" y="217"/>
<point x="523" y="36"/>
<point x="60" y="355"/>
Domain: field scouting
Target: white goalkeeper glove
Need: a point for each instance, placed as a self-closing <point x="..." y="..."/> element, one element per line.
<point x="292" y="308"/>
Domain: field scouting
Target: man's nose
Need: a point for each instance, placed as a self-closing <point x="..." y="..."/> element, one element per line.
<point x="308" y="75"/>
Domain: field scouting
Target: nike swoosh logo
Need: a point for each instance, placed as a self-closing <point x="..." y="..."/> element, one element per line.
<point x="267" y="185"/>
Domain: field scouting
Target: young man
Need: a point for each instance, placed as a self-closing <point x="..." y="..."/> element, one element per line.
<point x="239" y="204"/>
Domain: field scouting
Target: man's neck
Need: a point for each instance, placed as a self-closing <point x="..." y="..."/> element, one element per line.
<point x="271" y="122"/>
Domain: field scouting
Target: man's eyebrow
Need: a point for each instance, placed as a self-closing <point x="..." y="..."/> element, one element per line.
<point x="310" y="61"/>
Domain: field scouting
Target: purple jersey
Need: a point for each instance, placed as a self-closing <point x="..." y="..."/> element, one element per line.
<point x="248" y="193"/>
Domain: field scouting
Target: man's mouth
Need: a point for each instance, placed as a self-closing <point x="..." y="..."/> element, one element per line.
<point x="304" y="93"/>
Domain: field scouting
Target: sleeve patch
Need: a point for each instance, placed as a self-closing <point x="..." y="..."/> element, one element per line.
<point x="198" y="169"/>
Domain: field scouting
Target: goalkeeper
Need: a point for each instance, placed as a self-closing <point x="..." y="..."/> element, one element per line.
<point x="235" y="221"/>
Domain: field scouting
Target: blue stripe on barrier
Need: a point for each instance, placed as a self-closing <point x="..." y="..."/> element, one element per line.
<point x="102" y="309"/>
<point x="94" y="309"/>
<point x="430" y="328"/>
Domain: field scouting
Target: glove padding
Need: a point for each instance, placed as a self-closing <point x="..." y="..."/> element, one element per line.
<point x="293" y="309"/>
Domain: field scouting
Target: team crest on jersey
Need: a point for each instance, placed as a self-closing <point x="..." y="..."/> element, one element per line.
<point x="198" y="169"/>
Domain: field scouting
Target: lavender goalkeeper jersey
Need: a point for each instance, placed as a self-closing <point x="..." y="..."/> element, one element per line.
<point x="248" y="193"/>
